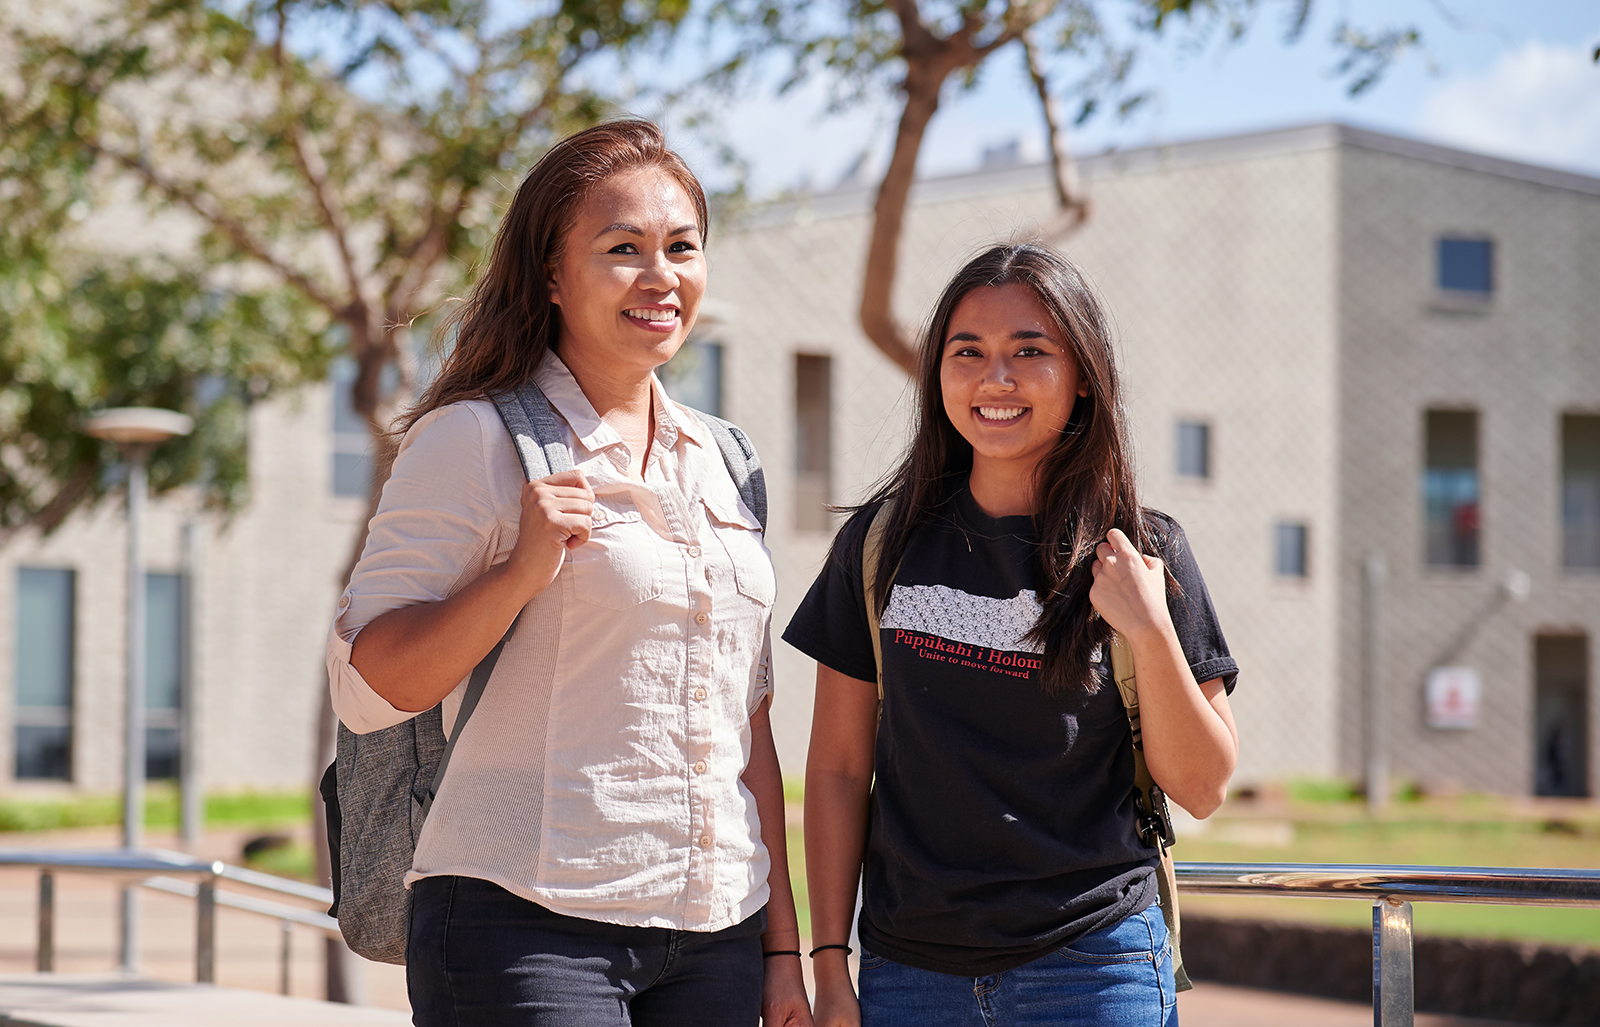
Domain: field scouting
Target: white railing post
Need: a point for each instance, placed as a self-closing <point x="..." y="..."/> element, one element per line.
<point x="205" y="949"/>
<point x="1393" y="981"/>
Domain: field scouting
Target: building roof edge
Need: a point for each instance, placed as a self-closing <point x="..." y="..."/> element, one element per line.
<point x="856" y="198"/>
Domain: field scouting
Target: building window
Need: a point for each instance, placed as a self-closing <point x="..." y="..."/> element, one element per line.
<point x="1450" y="488"/>
<point x="693" y="376"/>
<point x="1194" y="449"/>
<point x="1289" y="545"/>
<point x="163" y="673"/>
<point x="813" y="441"/>
<point x="1580" y="491"/>
<point x="45" y="635"/>
<point x="1466" y="267"/>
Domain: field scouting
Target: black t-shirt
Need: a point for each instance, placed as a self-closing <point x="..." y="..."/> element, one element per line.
<point x="1002" y="818"/>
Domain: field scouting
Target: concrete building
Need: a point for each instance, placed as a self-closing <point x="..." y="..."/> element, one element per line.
<point x="1338" y="344"/>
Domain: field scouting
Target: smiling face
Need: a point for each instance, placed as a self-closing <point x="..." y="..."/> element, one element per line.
<point x="1009" y="381"/>
<point x="630" y="276"/>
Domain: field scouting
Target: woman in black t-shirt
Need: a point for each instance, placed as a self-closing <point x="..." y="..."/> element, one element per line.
<point x="989" y="811"/>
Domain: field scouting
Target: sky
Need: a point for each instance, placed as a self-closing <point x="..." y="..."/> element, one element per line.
<point x="1512" y="78"/>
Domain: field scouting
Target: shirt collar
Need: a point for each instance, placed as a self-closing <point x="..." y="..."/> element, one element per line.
<point x="566" y="396"/>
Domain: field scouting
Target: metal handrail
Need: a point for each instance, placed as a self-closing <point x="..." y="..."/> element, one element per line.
<point x="1515" y="886"/>
<point x="160" y="870"/>
<point x="1392" y="889"/>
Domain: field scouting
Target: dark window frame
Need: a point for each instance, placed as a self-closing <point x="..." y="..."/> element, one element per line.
<point x="1452" y="488"/>
<point x="42" y="734"/>
<point x="1464" y="266"/>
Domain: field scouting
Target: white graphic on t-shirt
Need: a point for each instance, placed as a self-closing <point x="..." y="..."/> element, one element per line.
<point x="976" y="620"/>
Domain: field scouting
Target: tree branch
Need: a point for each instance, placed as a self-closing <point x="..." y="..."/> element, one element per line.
<point x="1069" y="195"/>
<point x="313" y="168"/>
<point x="236" y="232"/>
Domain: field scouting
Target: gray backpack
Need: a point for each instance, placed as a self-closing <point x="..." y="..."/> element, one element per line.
<point x="378" y="789"/>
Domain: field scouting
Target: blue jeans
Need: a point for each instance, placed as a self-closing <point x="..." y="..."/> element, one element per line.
<point x="1118" y="977"/>
<point x="479" y="956"/>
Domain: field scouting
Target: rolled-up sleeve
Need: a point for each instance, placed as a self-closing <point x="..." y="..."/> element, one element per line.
<point x="438" y="526"/>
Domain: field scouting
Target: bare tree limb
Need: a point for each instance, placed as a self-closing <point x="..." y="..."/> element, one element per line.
<point x="247" y="243"/>
<point x="1075" y="207"/>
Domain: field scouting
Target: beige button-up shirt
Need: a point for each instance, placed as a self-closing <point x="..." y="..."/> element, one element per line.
<point x="600" y="774"/>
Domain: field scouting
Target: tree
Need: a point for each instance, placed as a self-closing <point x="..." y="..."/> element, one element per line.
<point x="336" y="163"/>
<point x="920" y="48"/>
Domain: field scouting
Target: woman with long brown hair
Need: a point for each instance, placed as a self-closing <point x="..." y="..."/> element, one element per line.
<point x="988" y="797"/>
<point x="608" y="845"/>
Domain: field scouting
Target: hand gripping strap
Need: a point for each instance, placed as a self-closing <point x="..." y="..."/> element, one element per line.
<point x="1155" y="824"/>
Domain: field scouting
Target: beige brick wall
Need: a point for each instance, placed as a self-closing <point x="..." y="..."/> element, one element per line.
<point x="1533" y="353"/>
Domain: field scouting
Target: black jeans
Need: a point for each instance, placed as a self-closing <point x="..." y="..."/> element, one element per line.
<point x="481" y="957"/>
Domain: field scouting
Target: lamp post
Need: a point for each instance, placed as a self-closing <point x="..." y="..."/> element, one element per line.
<point x="135" y="430"/>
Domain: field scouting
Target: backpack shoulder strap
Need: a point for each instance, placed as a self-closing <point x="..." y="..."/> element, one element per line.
<point x="1155" y="822"/>
<point x="541" y="443"/>
<point x="743" y="463"/>
<point x="537" y="431"/>
<point x="871" y="548"/>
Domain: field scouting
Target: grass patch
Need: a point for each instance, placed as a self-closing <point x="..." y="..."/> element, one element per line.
<point x="236" y="809"/>
<point x="1469" y="830"/>
<point x="295" y="859"/>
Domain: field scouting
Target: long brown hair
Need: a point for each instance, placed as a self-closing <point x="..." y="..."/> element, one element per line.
<point x="1084" y="486"/>
<point x="506" y="325"/>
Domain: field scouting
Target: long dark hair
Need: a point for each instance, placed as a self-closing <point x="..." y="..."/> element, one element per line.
<point x="1084" y="486"/>
<point x="506" y="325"/>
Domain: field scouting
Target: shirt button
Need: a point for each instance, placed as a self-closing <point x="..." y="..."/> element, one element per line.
<point x="699" y="695"/>
<point x="702" y="618"/>
<point x="344" y="601"/>
<point x="700" y="766"/>
<point x="694" y="550"/>
<point x="705" y="841"/>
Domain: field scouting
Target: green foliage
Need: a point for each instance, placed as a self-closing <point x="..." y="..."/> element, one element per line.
<point x="865" y="46"/>
<point x="195" y="191"/>
<point x="117" y="335"/>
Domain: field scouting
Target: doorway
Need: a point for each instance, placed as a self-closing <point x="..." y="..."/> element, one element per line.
<point x="1561" y="715"/>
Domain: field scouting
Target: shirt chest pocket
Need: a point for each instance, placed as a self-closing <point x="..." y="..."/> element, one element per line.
<point x="740" y="536"/>
<point x="620" y="566"/>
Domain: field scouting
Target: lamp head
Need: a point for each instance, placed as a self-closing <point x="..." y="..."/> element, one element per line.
<point x="132" y="426"/>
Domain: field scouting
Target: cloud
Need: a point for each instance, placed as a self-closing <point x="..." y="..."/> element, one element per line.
<point x="1537" y="103"/>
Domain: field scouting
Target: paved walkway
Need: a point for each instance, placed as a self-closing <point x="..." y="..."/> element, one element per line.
<point x="1220" y="1005"/>
<point x="111" y="1000"/>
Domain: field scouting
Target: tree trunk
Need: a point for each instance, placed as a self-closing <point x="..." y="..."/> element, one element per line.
<point x="342" y="967"/>
<point x="922" y="87"/>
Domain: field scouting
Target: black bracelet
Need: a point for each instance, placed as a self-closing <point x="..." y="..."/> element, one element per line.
<point x="819" y="948"/>
<point x="781" y="952"/>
